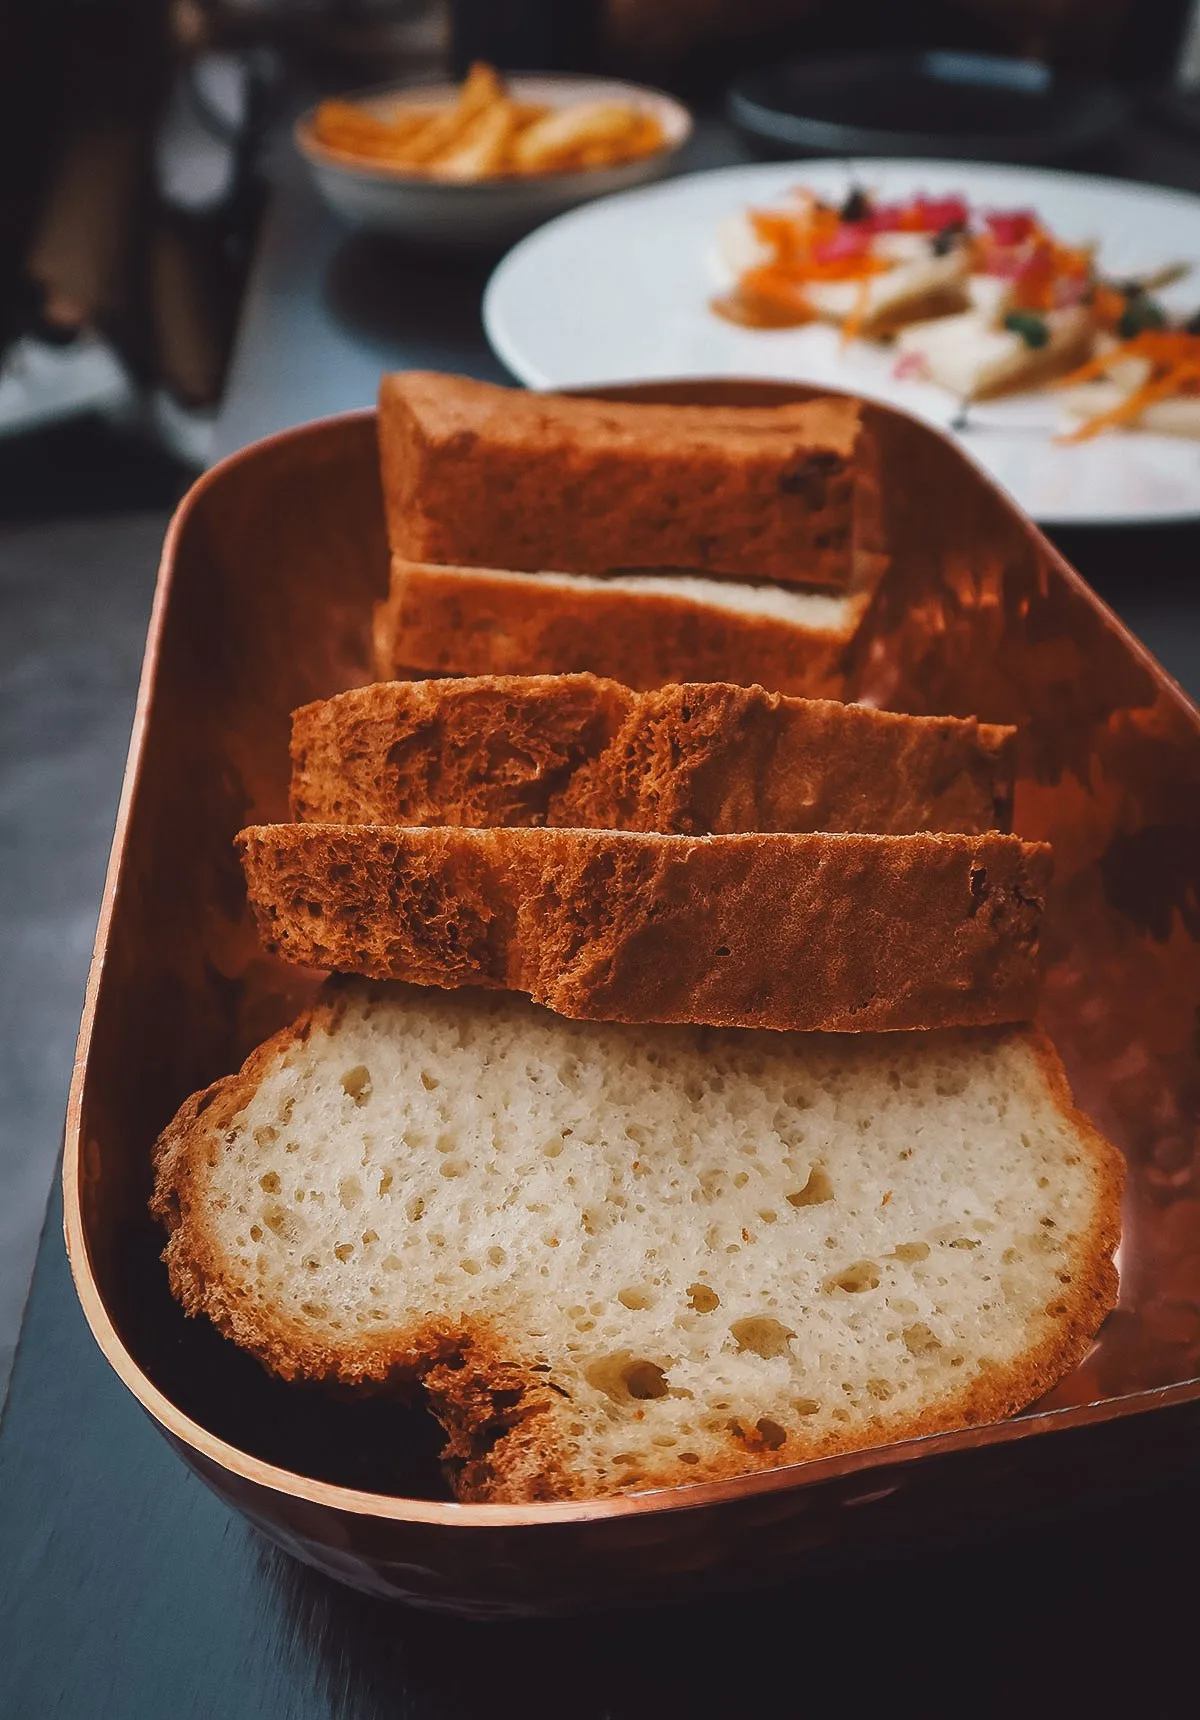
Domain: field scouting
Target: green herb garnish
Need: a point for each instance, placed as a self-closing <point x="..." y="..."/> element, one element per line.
<point x="1141" y="313"/>
<point x="1030" y="326"/>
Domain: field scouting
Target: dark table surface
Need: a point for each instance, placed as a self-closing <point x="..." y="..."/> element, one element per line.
<point x="128" y="1592"/>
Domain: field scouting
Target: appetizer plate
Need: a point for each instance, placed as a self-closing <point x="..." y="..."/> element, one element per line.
<point x="620" y="292"/>
<point x="488" y="212"/>
<point x="264" y="600"/>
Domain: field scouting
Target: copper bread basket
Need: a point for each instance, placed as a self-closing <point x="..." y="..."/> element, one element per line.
<point x="268" y="575"/>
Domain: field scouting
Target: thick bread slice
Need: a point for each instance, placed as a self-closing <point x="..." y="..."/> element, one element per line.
<point x="622" y="1258"/>
<point x="641" y="629"/>
<point x="836" y="932"/>
<point x="497" y="477"/>
<point x="692" y="759"/>
<point x="493" y="749"/>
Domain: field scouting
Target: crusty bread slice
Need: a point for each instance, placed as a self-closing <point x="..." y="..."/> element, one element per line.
<point x="622" y="1258"/>
<point x="692" y="759"/>
<point x="641" y="629"/>
<point x="833" y="932"/>
<point x="497" y="477"/>
<point x="490" y="749"/>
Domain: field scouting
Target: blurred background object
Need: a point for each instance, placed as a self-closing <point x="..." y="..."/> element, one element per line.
<point x="130" y="200"/>
<point x="526" y="173"/>
<point x="528" y="35"/>
<point x="713" y="39"/>
<point x="133" y="139"/>
<point x="925" y="103"/>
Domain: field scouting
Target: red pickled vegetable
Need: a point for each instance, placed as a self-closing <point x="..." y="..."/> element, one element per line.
<point x="1011" y="226"/>
<point x="849" y="241"/>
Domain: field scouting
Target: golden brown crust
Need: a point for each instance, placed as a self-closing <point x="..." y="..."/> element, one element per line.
<point x="500" y="1410"/>
<point x="489" y="476"/>
<point x="480" y="621"/>
<point x="489" y="750"/>
<point x="941" y="301"/>
<point x="690" y="760"/>
<point x="838" y="933"/>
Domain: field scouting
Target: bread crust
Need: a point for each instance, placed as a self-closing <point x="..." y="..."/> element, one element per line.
<point x="490" y="476"/>
<point x="829" y="932"/>
<point x="484" y="621"/>
<point x="698" y="759"/>
<point x="502" y="1417"/>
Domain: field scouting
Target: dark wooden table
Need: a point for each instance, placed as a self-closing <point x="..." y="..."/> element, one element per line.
<point x="128" y="1593"/>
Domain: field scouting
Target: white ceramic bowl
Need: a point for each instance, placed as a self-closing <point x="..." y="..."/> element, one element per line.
<point x="486" y="212"/>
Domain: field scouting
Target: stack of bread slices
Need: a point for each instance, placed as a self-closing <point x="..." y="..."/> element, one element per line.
<point x="679" y="1118"/>
<point x="539" y="535"/>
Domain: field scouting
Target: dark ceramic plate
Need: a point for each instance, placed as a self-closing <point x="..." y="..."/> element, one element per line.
<point x="971" y="107"/>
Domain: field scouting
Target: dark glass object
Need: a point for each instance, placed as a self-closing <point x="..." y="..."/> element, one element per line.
<point x="1150" y="41"/>
<point x="978" y="107"/>
<point x="526" y="35"/>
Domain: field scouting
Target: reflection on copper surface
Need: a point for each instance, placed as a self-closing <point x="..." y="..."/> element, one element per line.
<point x="268" y="585"/>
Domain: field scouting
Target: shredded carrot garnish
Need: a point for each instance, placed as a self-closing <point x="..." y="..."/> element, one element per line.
<point x="811" y="243"/>
<point x="1131" y="408"/>
<point x="1095" y="367"/>
<point x="775" y="287"/>
<point x="1163" y="347"/>
<point x="1108" y="306"/>
<point x="1175" y="357"/>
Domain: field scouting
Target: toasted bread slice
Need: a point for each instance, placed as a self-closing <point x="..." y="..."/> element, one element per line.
<point x="692" y="760"/>
<point x="497" y="477"/>
<point x="917" y="288"/>
<point x="977" y="360"/>
<point x="833" y="932"/>
<point x="621" y="1258"/>
<point x="640" y="629"/>
<point x="919" y="284"/>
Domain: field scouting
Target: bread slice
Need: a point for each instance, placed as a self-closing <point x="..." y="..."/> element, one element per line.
<point x="642" y="629"/>
<point x="978" y="357"/>
<point x="692" y="759"/>
<point x="832" y="932"/>
<point x="621" y="1258"/>
<point x="498" y="477"/>
<point x="918" y="283"/>
<point x="880" y="305"/>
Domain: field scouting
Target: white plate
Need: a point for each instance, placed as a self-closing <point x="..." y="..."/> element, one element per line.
<point x="488" y="211"/>
<point x="619" y="292"/>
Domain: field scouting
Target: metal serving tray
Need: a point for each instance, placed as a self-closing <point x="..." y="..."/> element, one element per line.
<point x="268" y="575"/>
